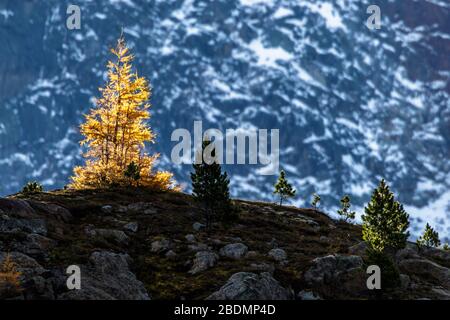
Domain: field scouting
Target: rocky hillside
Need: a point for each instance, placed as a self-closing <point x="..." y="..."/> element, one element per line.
<point x="352" y="104"/>
<point x="132" y="244"/>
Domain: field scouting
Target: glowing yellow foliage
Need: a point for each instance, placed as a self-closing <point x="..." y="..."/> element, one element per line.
<point x="9" y="276"/>
<point x="115" y="131"/>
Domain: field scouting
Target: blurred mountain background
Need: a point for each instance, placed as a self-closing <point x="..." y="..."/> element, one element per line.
<point x="353" y="105"/>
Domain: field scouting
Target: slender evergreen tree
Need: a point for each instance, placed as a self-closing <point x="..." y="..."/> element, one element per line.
<point x="283" y="188"/>
<point x="345" y="211"/>
<point x="316" y="200"/>
<point x="429" y="238"/>
<point x="385" y="222"/>
<point x="210" y="187"/>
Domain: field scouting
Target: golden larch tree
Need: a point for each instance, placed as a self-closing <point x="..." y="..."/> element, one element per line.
<point x="9" y="277"/>
<point x="116" y="131"/>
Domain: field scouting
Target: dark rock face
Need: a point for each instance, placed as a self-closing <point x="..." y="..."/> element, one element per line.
<point x="251" y="286"/>
<point x="345" y="274"/>
<point x="326" y="268"/>
<point x="426" y="268"/>
<point x="16" y="208"/>
<point x="60" y="213"/>
<point x="31" y="225"/>
<point x="107" y="276"/>
<point x="34" y="245"/>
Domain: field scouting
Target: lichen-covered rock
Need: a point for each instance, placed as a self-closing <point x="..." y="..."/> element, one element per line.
<point x="308" y="295"/>
<point x="197" y="226"/>
<point x="234" y="250"/>
<point x="142" y="207"/>
<point x="409" y="252"/>
<point x="116" y="236"/>
<point x="170" y="254"/>
<point x="161" y="245"/>
<point x="107" y="209"/>
<point x="339" y="273"/>
<point x="440" y="293"/>
<point x="358" y="249"/>
<point x="330" y="267"/>
<point x="17" y="208"/>
<point x="198" y="247"/>
<point x="107" y="277"/>
<point x="427" y="269"/>
<point x="131" y="227"/>
<point x="439" y="255"/>
<point x="263" y="267"/>
<point x="190" y="238"/>
<point x="34" y="245"/>
<point x="13" y="225"/>
<point x="203" y="261"/>
<point x="405" y="280"/>
<point x="251" y="286"/>
<point x="278" y="254"/>
<point x="52" y="210"/>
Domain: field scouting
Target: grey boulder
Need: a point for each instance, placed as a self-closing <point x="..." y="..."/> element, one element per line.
<point x="251" y="286"/>
<point x="203" y="261"/>
<point x="107" y="277"/>
<point x="234" y="250"/>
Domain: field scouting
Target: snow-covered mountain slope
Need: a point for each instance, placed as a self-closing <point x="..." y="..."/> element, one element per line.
<point x="353" y="105"/>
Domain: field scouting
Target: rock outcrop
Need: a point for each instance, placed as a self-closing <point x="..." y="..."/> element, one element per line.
<point x="345" y="274"/>
<point x="203" y="261"/>
<point x="251" y="286"/>
<point x="107" y="276"/>
<point x="234" y="250"/>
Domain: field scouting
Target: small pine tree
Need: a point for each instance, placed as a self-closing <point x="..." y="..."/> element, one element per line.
<point x="32" y="187"/>
<point x="133" y="173"/>
<point x="283" y="188"/>
<point x="210" y="187"/>
<point x="429" y="238"/>
<point x="9" y="277"/>
<point x="446" y="247"/>
<point x="345" y="209"/>
<point x="316" y="200"/>
<point x="385" y="222"/>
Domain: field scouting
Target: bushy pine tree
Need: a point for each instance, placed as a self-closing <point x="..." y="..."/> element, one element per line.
<point x="429" y="238"/>
<point x="345" y="211"/>
<point x="385" y="222"/>
<point x="32" y="187"/>
<point x="115" y="131"/>
<point x="210" y="187"/>
<point x="316" y="200"/>
<point x="283" y="188"/>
